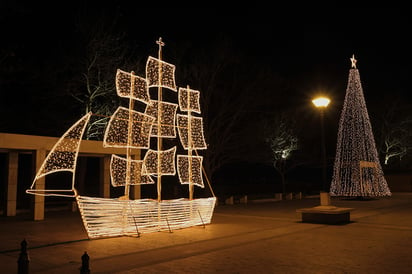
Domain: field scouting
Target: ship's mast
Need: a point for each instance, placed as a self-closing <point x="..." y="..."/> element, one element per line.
<point x="129" y="141"/>
<point x="159" y="112"/>
<point x="189" y="140"/>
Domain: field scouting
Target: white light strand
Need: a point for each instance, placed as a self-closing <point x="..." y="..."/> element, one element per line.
<point x="62" y="157"/>
<point x="357" y="170"/>
<point x="118" y="166"/>
<point x="167" y="118"/>
<point x="105" y="217"/>
<point x="197" y="136"/>
<point x="153" y="66"/>
<point x="196" y="170"/>
<point x="138" y="91"/>
<point x="117" y="128"/>
<point x="189" y="100"/>
<point x="167" y="162"/>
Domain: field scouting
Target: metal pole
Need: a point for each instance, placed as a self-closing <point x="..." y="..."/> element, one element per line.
<point x="323" y="150"/>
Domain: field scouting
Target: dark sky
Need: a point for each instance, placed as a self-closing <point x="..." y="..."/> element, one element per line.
<point x="308" y="46"/>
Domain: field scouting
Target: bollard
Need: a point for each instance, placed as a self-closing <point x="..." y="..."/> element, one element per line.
<point x="23" y="261"/>
<point x="85" y="264"/>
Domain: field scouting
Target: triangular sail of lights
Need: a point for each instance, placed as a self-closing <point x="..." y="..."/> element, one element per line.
<point x="357" y="170"/>
<point x="191" y="135"/>
<point x="62" y="157"/>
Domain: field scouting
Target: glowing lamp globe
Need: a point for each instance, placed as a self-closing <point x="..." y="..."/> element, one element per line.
<point x="321" y="102"/>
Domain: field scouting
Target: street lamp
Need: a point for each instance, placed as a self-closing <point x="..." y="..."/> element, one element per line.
<point x="326" y="213"/>
<point x="321" y="103"/>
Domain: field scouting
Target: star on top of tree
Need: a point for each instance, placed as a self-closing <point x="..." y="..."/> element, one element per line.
<point x="353" y="60"/>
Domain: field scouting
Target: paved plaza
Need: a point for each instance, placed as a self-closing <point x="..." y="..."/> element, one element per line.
<point x="263" y="236"/>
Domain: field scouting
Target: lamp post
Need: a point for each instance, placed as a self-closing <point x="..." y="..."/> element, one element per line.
<point x="326" y="213"/>
<point x="321" y="103"/>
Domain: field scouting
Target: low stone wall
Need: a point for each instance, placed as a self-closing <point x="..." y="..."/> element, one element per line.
<point x="400" y="182"/>
<point x="244" y="199"/>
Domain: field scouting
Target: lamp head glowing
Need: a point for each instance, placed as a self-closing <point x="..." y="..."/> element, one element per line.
<point x="321" y="102"/>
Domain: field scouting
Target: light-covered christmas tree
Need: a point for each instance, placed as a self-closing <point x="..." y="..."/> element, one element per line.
<point x="357" y="171"/>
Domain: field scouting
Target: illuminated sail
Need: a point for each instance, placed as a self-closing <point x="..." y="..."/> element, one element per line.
<point x="189" y="100"/>
<point x="189" y="170"/>
<point x="118" y="171"/>
<point x="167" y="118"/>
<point x="62" y="157"/>
<point x="160" y="74"/>
<point x="167" y="162"/>
<point x="132" y="86"/>
<point x="196" y="132"/>
<point x="116" y="134"/>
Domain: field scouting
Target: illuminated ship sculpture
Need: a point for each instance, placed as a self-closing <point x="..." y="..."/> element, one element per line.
<point x="130" y="129"/>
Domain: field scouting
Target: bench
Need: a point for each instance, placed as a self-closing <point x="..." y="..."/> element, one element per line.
<point x="325" y="214"/>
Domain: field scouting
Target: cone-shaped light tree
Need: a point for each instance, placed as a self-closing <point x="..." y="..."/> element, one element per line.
<point x="357" y="170"/>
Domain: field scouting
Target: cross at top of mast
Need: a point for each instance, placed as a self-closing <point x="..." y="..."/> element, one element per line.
<point x="161" y="44"/>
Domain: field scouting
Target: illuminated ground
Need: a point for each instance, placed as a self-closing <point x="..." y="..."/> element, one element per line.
<point x="265" y="237"/>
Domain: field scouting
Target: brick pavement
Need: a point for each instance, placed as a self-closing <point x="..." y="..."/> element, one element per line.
<point x="265" y="237"/>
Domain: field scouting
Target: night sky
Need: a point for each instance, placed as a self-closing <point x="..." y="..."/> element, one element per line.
<point x="309" y="48"/>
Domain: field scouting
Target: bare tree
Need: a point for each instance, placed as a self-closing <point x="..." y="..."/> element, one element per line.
<point x="395" y="133"/>
<point x="397" y="144"/>
<point x="105" y="52"/>
<point x="233" y="92"/>
<point x="282" y="139"/>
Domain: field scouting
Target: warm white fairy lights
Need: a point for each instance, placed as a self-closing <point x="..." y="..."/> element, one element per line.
<point x="357" y="170"/>
<point x="196" y="132"/>
<point x="116" y="134"/>
<point x="167" y="118"/>
<point x="130" y="129"/>
<point x="62" y="157"/>
<point x="190" y="172"/>
<point x="132" y="86"/>
<point x="167" y="162"/>
<point x="189" y="100"/>
<point x="104" y="217"/>
<point x="160" y="74"/>
<point x="118" y="172"/>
